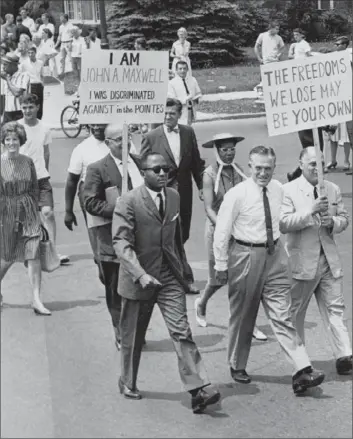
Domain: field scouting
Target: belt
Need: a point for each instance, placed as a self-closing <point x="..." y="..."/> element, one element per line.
<point x="249" y="244"/>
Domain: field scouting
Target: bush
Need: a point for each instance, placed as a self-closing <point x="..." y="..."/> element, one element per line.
<point x="36" y="8"/>
<point x="335" y="23"/>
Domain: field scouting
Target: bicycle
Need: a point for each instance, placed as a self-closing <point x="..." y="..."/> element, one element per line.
<point x="69" y="119"/>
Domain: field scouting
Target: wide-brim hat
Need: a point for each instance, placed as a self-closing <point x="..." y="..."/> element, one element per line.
<point x="222" y="137"/>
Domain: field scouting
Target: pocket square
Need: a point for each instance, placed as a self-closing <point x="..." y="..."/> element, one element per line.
<point x="175" y="217"/>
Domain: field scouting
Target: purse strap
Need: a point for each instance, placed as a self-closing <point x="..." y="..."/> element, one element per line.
<point x="44" y="233"/>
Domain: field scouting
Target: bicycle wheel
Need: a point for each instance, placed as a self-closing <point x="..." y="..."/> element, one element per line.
<point x="69" y="122"/>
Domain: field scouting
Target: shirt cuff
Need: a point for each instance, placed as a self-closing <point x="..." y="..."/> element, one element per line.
<point x="221" y="266"/>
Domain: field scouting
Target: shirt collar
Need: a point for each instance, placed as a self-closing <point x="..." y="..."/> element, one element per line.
<point x="306" y="185"/>
<point x="118" y="161"/>
<point x="170" y="132"/>
<point x="154" y="193"/>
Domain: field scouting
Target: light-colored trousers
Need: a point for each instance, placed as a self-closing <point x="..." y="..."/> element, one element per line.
<point x="65" y="51"/>
<point x="329" y="296"/>
<point x="256" y="276"/>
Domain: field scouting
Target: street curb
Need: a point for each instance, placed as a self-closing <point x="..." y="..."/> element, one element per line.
<point x="209" y="119"/>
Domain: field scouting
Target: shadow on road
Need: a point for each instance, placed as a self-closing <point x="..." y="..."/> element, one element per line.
<point x="166" y="345"/>
<point x="58" y="306"/>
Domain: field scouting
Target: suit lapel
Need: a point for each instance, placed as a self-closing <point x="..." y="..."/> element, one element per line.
<point x="150" y="204"/>
<point x="167" y="146"/>
<point x="113" y="172"/>
<point x="183" y="142"/>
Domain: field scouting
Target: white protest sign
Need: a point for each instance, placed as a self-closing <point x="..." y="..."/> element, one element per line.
<point x="129" y="86"/>
<point x="307" y="92"/>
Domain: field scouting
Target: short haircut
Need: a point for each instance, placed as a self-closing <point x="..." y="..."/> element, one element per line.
<point x="16" y="128"/>
<point x="180" y="63"/>
<point x="262" y="150"/>
<point x="145" y="158"/>
<point x="304" y="152"/>
<point x="39" y="21"/>
<point x="66" y="16"/>
<point x="29" y="98"/>
<point x="171" y="102"/>
<point x="141" y="41"/>
<point x="33" y="48"/>
<point x="48" y="32"/>
<point x="46" y="15"/>
<point x="23" y="9"/>
<point x="7" y="16"/>
<point x="273" y="24"/>
<point x="19" y="18"/>
<point x="299" y="31"/>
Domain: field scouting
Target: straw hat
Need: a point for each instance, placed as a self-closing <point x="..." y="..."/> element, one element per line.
<point x="222" y="137"/>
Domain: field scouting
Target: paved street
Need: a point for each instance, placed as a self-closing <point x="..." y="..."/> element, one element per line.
<point x="59" y="374"/>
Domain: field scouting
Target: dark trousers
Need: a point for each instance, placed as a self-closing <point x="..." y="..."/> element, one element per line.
<point x="38" y="90"/>
<point x="110" y="273"/>
<point x="12" y="116"/>
<point x="134" y="320"/>
<point x="91" y="234"/>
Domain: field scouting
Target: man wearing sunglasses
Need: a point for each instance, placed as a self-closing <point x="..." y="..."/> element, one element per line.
<point x="178" y="145"/>
<point x="147" y="241"/>
<point x="103" y="184"/>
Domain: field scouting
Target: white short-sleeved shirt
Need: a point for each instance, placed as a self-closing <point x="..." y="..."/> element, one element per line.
<point x="49" y="26"/>
<point x="271" y="46"/>
<point x="34" y="70"/>
<point x="29" y="22"/>
<point x="301" y="49"/>
<point x="77" y="46"/>
<point x="89" y="151"/>
<point x="37" y="136"/>
<point x="65" y="32"/>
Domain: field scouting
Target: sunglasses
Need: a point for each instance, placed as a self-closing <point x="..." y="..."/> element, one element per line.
<point x="157" y="169"/>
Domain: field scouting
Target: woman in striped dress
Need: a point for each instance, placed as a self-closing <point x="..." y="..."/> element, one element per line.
<point x="19" y="212"/>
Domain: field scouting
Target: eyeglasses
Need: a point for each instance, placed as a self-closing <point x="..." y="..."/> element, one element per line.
<point x="157" y="169"/>
<point x="230" y="149"/>
<point x="120" y="138"/>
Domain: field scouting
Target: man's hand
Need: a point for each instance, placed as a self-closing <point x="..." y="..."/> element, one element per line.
<point x="147" y="281"/>
<point x="222" y="277"/>
<point x="70" y="219"/>
<point x="320" y="205"/>
<point x="261" y="61"/>
<point x="326" y="220"/>
<point x="201" y="194"/>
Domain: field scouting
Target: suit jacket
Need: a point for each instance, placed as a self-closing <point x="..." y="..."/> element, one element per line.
<point x="100" y="175"/>
<point x="191" y="164"/>
<point x="141" y="239"/>
<point x="305" y="236"/>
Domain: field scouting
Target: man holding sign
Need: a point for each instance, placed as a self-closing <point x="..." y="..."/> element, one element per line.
<point x="311" y="222"/>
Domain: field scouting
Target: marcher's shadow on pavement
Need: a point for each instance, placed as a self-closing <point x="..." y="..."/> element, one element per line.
<point x="166" y="345"/>
<point x="329" y="368"/>
<point x="79" y="257"/>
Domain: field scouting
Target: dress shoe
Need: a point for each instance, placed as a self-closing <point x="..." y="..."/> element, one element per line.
<point x="200" y="319"/>
<point x="192" y="290"/>
<point x="40" y="310"/>
<point x="306" y="378"/>
<point x="349" y="173"/>
<point x="240" y="376"/>
<point x="202" y="399"/>
<point x="332" y="165"/>
<point x="346" y="166"/>
<point x="128" y="393"/>
<point x="259" y="335"/>
<point x="64" y="259"/>
<point x="344" y="365"/>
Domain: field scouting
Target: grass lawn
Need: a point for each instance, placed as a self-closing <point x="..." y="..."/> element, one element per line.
<point x="240" y="77"/>
<point x="231" y="107"/>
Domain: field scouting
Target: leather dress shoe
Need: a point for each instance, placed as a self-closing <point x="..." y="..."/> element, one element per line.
<point x="128" y="393"/>
<point x="240" y="376"/>
<point x="306" y="378"/>
<point x="202" y="399"/>
<point x="344" y="365"/>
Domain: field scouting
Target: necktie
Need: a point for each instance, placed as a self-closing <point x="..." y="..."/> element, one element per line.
<point x="161" y="206"/>
<point x="129" y="182"/>
<point x="268" y="221"/>
<point x="186" y="86"/>
<point x="315" y="193"/>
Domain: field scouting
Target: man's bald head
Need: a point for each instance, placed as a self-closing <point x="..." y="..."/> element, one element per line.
<point x="308" y="153"/>
<point x="113" y="130"/>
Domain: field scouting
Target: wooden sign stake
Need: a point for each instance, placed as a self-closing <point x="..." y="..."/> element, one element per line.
<point x="320" y="169"/>
<point x="125" y="155"/>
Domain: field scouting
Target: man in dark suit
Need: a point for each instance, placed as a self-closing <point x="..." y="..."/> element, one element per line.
<point x="147" y="241"/>
<point x="102" y="186"/>
<point x="178" y="145"/>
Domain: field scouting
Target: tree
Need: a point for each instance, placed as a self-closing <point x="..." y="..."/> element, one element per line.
<point x="11" y="6"/>
<point x="214" y="27"/>
<point x="36" y="8"/>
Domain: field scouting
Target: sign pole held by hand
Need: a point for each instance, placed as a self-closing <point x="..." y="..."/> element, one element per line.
<point x="318" y="152"/>
<point x="125" y="155"/>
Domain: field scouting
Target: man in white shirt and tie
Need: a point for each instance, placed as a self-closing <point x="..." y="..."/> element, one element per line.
<point x="250" y="256"/>
<point x="102" y="187"/>
<point x="187" y="91"/>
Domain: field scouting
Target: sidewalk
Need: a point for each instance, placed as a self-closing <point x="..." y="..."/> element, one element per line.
<point x="55" y="101"/>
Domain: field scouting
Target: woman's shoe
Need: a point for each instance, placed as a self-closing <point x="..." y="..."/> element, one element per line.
<point x="332" y="165"/>
<point x="346" y="166"/>
<point x="40" y="310"/>
<point x="259" y="335"/>
<point x="200" y="319"/>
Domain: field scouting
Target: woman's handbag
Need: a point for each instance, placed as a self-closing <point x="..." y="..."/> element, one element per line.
<point x="49" y="258"/>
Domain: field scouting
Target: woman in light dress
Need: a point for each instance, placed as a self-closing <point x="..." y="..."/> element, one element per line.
<point x="180" y="50"/>
<point x="339" y="138"/>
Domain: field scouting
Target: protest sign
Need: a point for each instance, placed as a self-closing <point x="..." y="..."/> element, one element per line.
<point x="123" y="85"/>
<point x="307" y="92"/>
